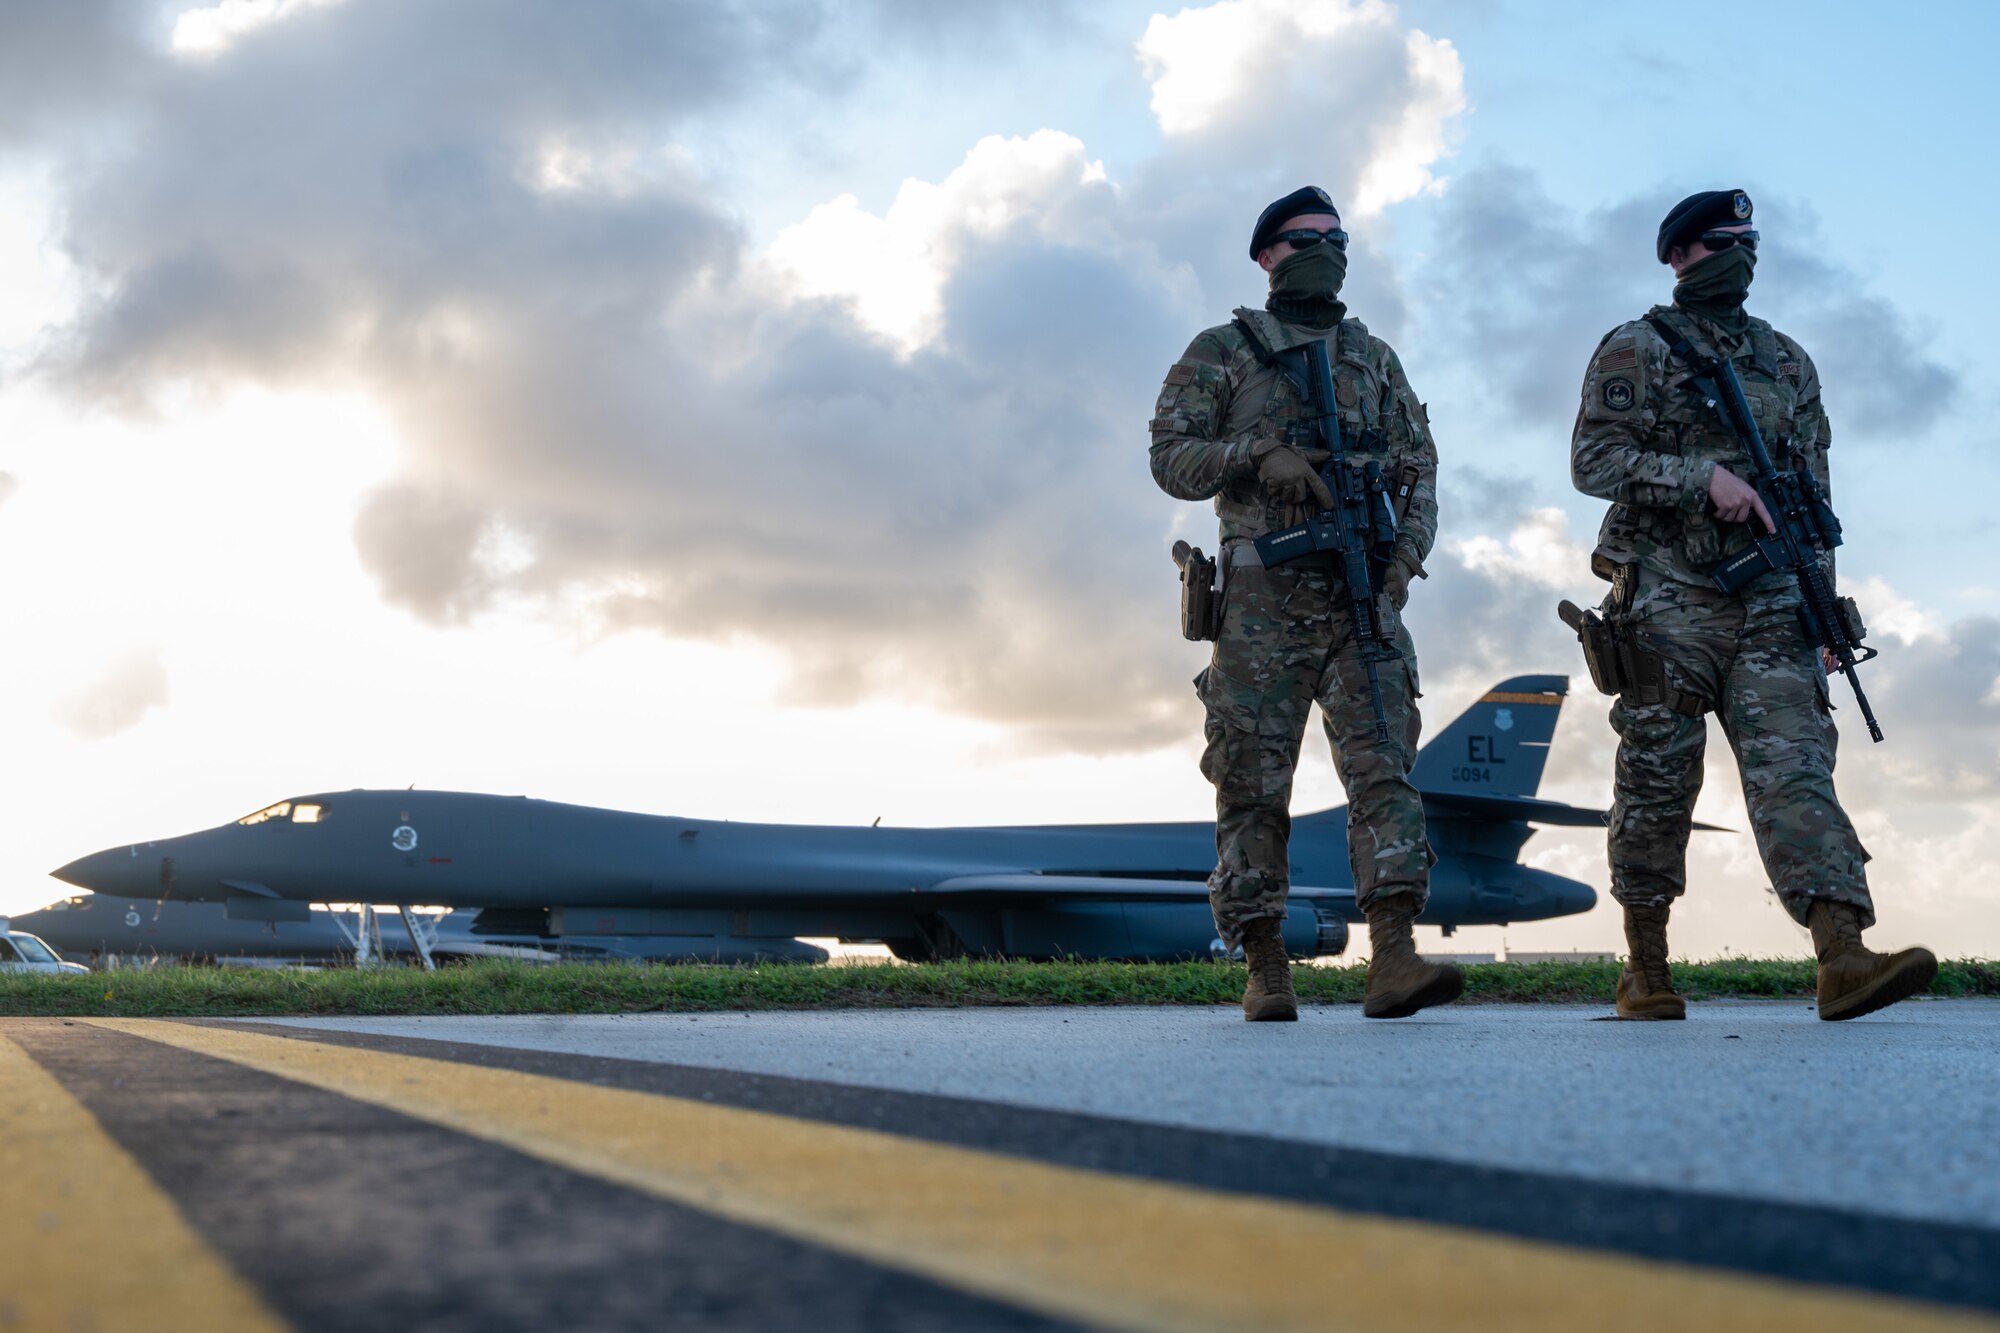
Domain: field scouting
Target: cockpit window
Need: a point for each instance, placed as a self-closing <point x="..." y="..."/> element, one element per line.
<point x="299" y="812"/>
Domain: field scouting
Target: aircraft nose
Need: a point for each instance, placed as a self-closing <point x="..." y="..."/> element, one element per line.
<point x="118" y="871"/>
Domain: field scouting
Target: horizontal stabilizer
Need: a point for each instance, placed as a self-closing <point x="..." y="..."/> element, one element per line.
<point x="1525" y="809"/>
<point x="1097" y="888"/>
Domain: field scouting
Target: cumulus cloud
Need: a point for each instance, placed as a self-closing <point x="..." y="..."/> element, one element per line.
<point x="1229" y="75"/>
<point x="905" y="449"/>
<point x="66" y="58"/>
<point x="1494" y="582"/>
<point x="1938" y="697"/>
<point x="1533" y="284"/>
<point x="1241" y="90"/>
<point x="117" y="700"/>
<point x="893" y="268"/>
<point x="213" y="29"/>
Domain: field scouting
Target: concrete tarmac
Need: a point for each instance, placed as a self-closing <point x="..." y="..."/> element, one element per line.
<point x="1758" y="1100"/>
<point x="1479" y="1166"/>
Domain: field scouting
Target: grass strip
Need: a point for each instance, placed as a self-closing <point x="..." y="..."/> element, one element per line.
<point x="520" y="988"/>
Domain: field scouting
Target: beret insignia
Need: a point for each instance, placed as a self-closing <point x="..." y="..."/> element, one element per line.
<point x="1182" y="373"/>
<point x="1624" y="358"/>
<point x="1741" y="204"/>
<point x="1618" y="395"/>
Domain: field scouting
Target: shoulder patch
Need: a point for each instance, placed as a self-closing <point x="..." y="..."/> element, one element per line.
<point x="1789" y="368"/>
<point x="1182" y="373"/>
<point x="1619" y="395"/>
<point x="1622" y="358"/>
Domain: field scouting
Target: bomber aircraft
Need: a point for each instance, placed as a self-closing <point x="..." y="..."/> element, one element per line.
<point x="1129" y="891"/>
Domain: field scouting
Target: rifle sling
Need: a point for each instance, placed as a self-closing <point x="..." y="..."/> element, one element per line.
<point x="1366" y="440"/>
<point x="1272" y="360"/>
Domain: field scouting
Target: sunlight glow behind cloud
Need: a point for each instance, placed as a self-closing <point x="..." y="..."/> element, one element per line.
<point x="893" y="267"/>
<point x="211" y="30"/>
<point x="1243" y="58"/>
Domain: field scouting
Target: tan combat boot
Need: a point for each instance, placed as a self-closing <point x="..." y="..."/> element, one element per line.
<point x="1853" y="980"/>
<point x="1399" y="982"/>
<point x="1645" y="987"/>
<point x="1269" y="997"/>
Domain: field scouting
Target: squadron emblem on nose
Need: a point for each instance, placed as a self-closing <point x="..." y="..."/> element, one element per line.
<point x="404" y="839"/>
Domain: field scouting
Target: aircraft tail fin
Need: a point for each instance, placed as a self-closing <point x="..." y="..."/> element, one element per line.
<point x="1499" y="746"/>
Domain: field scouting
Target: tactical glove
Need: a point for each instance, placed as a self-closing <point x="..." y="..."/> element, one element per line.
<point x="1290" y="474"/>
<point x="1396" y="582"/>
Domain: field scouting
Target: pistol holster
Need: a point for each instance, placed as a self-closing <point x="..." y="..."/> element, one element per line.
<point x="1201" y="598"/>
<point x="1620" y="661"/>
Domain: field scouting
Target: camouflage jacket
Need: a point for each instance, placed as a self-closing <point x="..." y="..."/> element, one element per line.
<point x="1219" y="400"/>
<point x="1647" y="440"/>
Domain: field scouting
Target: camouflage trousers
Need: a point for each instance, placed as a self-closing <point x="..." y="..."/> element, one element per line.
<point x="1287" y="643"/>
<point x="1747" y="658"/>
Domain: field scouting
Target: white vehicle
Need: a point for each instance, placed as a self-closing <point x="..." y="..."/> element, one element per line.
<point x="22" y="952"/>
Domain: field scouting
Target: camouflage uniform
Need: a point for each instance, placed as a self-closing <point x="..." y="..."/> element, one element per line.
<point x="1646" y="440"/>
<point x="1286" y="639"/>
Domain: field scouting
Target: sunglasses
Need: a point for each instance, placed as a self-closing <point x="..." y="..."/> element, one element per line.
<point x="1722" y="240"/>
<point x="1301" y="237"/>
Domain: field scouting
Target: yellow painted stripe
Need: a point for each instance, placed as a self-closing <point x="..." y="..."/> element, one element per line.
<point x="1077" y="1244"/>
<point x="87" y="1240"/>
<point x="1505" y="697"/>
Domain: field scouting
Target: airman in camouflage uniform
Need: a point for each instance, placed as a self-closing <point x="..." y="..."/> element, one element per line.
<point x="1653" y="445"/>
<point x="1232" y="427"/>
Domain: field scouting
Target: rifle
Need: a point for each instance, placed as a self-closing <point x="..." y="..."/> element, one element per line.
<point x="1357" y="536"/>
<point x="1804" y="520"/>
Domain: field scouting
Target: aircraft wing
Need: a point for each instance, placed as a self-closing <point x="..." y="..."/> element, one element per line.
<point x="1527" y="809"/>
<point x="1098" y="888"/>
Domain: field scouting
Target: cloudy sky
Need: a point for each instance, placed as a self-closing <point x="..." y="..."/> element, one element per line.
<point x="739" y="410"/>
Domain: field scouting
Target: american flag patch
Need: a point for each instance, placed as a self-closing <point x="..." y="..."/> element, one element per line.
<point x="1182" y="373"/>
<point x="1625" y="358"/>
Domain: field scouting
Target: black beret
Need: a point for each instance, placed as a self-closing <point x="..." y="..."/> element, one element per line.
<point x="1699" y="213"/>
<point x="1305" y="199"/>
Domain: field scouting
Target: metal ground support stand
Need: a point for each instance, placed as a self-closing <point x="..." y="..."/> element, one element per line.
<point x="366" y="937"/>
<point x="419" y="939"/>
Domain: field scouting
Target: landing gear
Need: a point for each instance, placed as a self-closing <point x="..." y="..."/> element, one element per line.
<point x="933" y="942"/>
